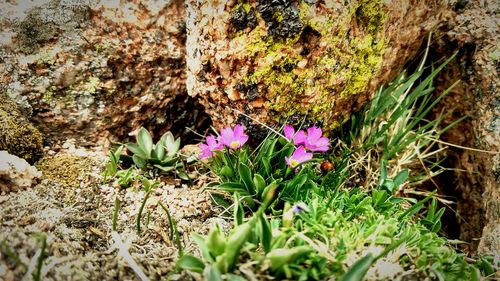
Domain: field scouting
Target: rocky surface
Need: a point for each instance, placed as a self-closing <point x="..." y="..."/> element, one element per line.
<point x="97" y="70"/>
<point x="17" y="135"/>
<point x="475" y="182"/>
<point x="319" y="59"/>
<point x="16" y="174"/>
<point x="76" y="221"/>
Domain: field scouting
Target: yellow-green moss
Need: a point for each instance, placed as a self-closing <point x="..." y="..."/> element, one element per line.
<point x="17" y="135"/>
<point x="92" y="85"/>
<point x="247" y="7"/>
<point x="347" y="62"/>
<point x="65" y="169"/>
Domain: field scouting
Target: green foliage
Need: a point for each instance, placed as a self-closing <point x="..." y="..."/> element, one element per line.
<point x="147" y="160"/>
<point x="251" y="174"/>
<point x="163" y="155"/>
<point x="332" y="225"/>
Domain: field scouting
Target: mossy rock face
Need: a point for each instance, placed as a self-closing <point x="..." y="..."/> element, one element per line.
<point x="17" y="135"/>
<point x="276" y="60"/>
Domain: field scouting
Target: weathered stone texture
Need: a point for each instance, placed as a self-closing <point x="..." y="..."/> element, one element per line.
<point x="15" y="173"/>
<point x="474" y="32"/>
<point x="93" y="70"/>
<point x="320" y="59"/>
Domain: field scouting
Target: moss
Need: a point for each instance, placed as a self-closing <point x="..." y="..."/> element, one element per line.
<point x="17" y="135"/>
<point x="344" y="63"/>
<point x="65" y="169"/>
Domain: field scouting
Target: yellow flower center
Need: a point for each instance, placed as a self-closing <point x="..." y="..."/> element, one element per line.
<point x="235" y="144"/>
<point x="294" y="163"/>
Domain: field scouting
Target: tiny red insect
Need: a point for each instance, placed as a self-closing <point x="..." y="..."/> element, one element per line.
<point x="326" y="166"/>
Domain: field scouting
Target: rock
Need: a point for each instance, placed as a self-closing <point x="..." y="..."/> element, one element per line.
<point x="96" y="70"/>
<point x="302" y="58"/>
<point x="474" y="177"/>
<point x="15" y="173"/>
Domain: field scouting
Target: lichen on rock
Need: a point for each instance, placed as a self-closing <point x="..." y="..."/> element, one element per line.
<point x="316" y="59"/>
<point x="17" y="135"/>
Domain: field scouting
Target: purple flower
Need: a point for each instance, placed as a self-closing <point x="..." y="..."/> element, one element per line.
<point x="207" y="150"/>
<point x="315" y="140"/>
<point x="233" y="139"/>
<point x="300" y="207"/>
<point x="298" y="138"/>
<point x="298" y="156"/>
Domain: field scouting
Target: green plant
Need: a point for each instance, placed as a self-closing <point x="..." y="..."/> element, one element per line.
<point x="148" y="186"/>
<point x="163" y="155"/>
<point x="113" y="164"/>
<point x="147" y="160"/>
<point x="37" y="273"/>
<point x="349" y="223"/>
<point x="251" y="174"/>
<point x="222" y="253"/>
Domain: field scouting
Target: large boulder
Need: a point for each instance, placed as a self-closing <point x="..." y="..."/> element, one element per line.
<point x="283" y="59"/>
<point x="97" y="70"/>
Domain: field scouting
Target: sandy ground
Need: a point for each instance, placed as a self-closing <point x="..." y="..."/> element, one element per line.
<point x="77" y="223"/>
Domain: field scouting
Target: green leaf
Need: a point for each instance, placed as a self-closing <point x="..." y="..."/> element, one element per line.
<point x="266" y="162"/>
<point x="401" y="177"/>
<point x="205" y="253"/>
<point x="227" y="172"/>
<point x="235" y="242"/>
<point x="220" y="200"/>
<point x="145" y="141"/>
<point x="359" y="269"/>
<point x="259" y="183"/>
<point x="239" y="213"/>
<point x="191" y="263"/>
<point x="266" y="234"/>
<point x="233" y="187"/>
<point x="164" y="168"/>
<point x="415" y="208"/>
<point x="117" y="153"/>
<point x="268" y="193"/>
<point x="172" y="145"/>
<point x="183" y="175"/>
<point x="214" y="274"/>
<point x="215" y="241"/>
<point x="139" y="161"/>
<point x="246" y="177"/>
<point x="136" y="150"/>
<point x="285" y="256"/>
<point x="160" y="151"/>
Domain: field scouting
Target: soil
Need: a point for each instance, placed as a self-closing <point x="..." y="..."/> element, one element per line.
<point x="77" y="223"/>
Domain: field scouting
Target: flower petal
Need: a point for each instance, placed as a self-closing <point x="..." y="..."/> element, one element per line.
<point x="289" y="132"/>
<point x="238" y="131"/>
<point x="226" y="136"/>
<point x="300" y="138"/>
<point x="314" y="133"/>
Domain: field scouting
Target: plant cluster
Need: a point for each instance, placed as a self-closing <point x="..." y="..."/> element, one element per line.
<point x="292" y="221"/>
<point x="286" y="162"/>
<point x="145" y="157"/>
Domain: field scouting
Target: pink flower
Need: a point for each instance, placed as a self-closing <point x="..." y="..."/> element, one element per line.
<point x="298" y="156"/>
<point x="207" y="150"/>
<point x="298" y="138"/>
<point x="315" y="140"/>
<point x="233" y="139"/>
